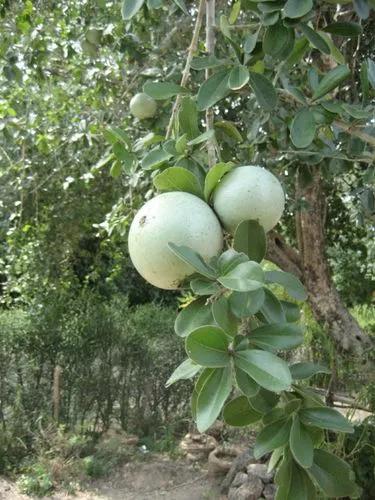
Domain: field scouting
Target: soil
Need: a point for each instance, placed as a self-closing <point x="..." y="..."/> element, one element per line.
<point x="158" y="478"/>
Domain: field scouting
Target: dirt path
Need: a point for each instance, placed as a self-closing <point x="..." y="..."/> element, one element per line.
<point x="159" y="478"/>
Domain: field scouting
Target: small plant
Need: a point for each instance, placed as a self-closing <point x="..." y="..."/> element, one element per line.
<point x="37" y="481"/>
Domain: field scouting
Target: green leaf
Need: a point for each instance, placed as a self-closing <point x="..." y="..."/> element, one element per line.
<point x="250" y="238"/>
<point x="238" y="77"/>
<point x="187" y="369"/>
<point x="271" y="6"/>
<point x="115" y="170"/>
<point x="130" y="8"/>
<point x="305" y="370"/>
<point x="238" y="413"/>
<point x="371" y="72"/>
<point x="205" y="62"/>
<point x="300" y="48"/>
<point x="211" y="398"/>
<point x="250" y="43"/>
<point x="315" y="39"/>
<point x="272" y="436"/>
<point x="243" y="278"/>
<point x="331" y="80"/>
<point x="213" y="90"/>
<point x="275" y="458"/>
<point x="362" y="8"/>
<point x="155" y="158"/>
<point x="188" y="118"/>
<point x="213" y="177"/>
<point x="203" y="287"/>
<point x="264" y="401"/>
<point x="264" y="91"/>
<point x="335" y="53"/>
<point x="265" y="368"/>
<point x="278" y="41"/>
<point x="234" y="13"/>
<point x="297" y="8"/>
<point x="229" y="129"/>
<point x="333" y="476"/>
<point x="196" y="314"/>
<point x="292" y="311"/>
<point x="206" y="136"/>
<point x="178" y="179"/>
<point x="245" y="304"/>
<point x="271" y="310"/>
<point x="230" y="259"/>
<point x="345" y="28"/>
<point x="274" y="415"/>
<point x="275" y="337"/>
<point x="245" y="383"/>
<point x="288" y="281"/>
<point x="303" y="128"/>
<point x="300" y="444"/>
<point x="181" y="4"/>
<point x="293" y="482"/>
<point x="325" y="418"/>
<point x="162" y="90"/>
<point x="224" y="317"/>
<point x="193" y="258"/>
<point x="208" y="346"/>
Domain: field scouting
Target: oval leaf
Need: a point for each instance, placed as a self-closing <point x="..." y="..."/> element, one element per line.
<point x="193" y="258"/>
<point x="187" y="369"/>
<point x="250" y="238"/>
<point x="303" y="128"/>
<point x="344" y="28"/>
<point x="288" y="281"/>
<point x="245" y="383"/>
<point x="238" y="413"/>
<point x="301" y="444"/>
<point x="213" y="177"/>
<point x="264" y="91"/>
<point x="162" y="90"/>
<point x="238" y="77"/>
<point x="243" y="278"/>
<point x="331" y="80"/>
<point x="265" y="368"/>
<point x="224" y="317"/>
<point x="275" y="337"/>
<point x="325" y="418"/>
<point x="130" y="8"/>
<point x="208" y="346"/>
<point x="246" y="304"/>
<point x="301" y="371"/>
<point x="315" y="39"/>
<point x="213" y="89"/>
<point x="196" y="314"/>
<point x="297" y="8"/>
<point x="272" y="436"/>
<point x="178" y="179"/>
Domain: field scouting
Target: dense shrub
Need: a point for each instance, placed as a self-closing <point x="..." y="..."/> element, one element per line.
<point x="115" y="360"/>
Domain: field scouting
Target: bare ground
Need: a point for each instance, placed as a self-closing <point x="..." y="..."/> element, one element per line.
<point x="158" y="478"/>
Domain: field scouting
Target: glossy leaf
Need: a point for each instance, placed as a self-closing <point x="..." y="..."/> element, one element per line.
<point x="292" y="311"/>
<point x="178" y="179"/>
<point x="213" y="177"/>
<point x="130" y="8"/>
<point x="243" y="278"/>
<point x="325" y="418"/>
<point x="275" y="337"/>
<point x="305" y="370"/>
<point x="272" y="436"/>
<point x="213" y="89"/>
<point x="238" y="77"/>
<point x="344" y="28"/>
<point x="238" y="413"/>
<point x="196" y="314"/>
<point x="250" y="238"/>
<point x="264" y="401"/>
<point x="288" y="281"/>
<point x="245" y="383"/>
<point x="301" y="444"/>
<point x="315" y="39"/>
<point x="246" y="304"/>
<point x="201" y="286"/>
<point x="181" y="4"/>
<point x="230" y="259"/>
<point x="211" y="398"/>
<point x="271" y="310"/>
<point x="187" y="369"/>
<point x="331" y="80"/>
<point x="265" y="368"/>
<point x="193" y="258"/>
<point x="333" y="476"/>
<point x="208" y="346"/>
<point x="297" y="8"/>
<point x="224" y="317"/>
<point x="155" y="158"/>
<point x="162" y="90"/>
<point x="188" y="118"/>
<point x="303" y="128"/>
<point x="264" y="91"/>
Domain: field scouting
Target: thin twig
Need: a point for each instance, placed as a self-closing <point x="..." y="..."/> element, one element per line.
<point x="210" y="48"/>
<point x="186" y="72"/>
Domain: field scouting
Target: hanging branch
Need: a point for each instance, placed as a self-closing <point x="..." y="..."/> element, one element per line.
<point x="210" y="48"/>
<point x="186" y="72"/>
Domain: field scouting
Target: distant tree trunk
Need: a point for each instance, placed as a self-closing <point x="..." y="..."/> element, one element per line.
<point x="310" y="264"/>
<point x="56" y="392"/>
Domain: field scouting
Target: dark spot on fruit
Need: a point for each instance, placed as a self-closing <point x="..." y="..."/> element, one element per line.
<point x="142" y="221"/>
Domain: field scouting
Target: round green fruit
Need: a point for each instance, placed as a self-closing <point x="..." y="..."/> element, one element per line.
<point x="142" y="106"/>
<point x="249" y="192"/>
<point x="177" y="217"/>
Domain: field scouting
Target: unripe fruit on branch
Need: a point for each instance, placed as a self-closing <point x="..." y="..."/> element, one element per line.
<point x="142" y="106"/>
<point x="249" y="192"/>
<point x="177" y="217"/>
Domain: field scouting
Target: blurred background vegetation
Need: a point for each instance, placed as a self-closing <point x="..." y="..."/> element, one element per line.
<point x="72" y="307"/>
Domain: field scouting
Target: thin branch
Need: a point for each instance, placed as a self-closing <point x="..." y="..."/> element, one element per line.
<point x="210" y="48"/>
<point x="186" y="72"/>
<point x="355" y="131"/>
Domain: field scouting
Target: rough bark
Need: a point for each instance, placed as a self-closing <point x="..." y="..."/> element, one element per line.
<point x="310" y="264"/>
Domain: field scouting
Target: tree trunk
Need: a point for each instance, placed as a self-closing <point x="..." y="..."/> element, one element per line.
<point x="310" y="264"/>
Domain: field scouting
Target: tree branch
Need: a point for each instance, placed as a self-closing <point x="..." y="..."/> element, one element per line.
<point x="210" y="48"/>
<point x="283" y="255"/>
<point x="186" y="72"/>
<point x="355" y="131"/>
